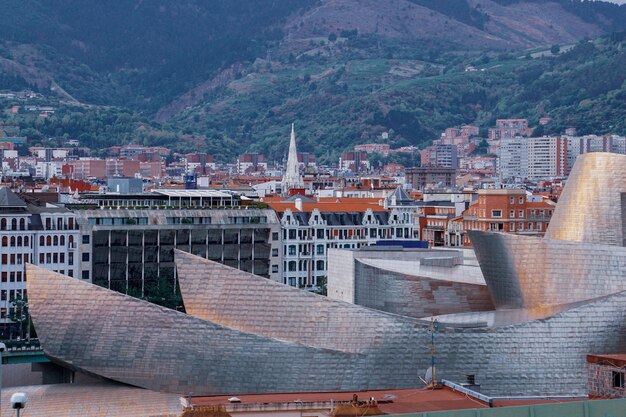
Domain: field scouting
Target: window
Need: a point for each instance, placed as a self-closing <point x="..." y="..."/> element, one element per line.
<point x="521" y="227"/>
<point x="48" y="241"/>
<point x="85" y="239"/>
<point x="512" y="214"/>
<point x="274" y="268"/>
<point x="539" y="226"/>
<point x="56" y="241"/>
<point x="4" y="276"/>
<point x="3" y="224"/>
<point x="320" y="265"/>
<point x="320" y="233"/>
<point x="11" y="276"/>
<point x="512" y="227"/>
<point x="618" y="379"/>
<point x="274" y="235"/>
<point x="70" y="272"/>
<point x="512" y="200"/>
<point x="5" y="241"/>
<point x="521" y="200"/>
<point x="521" y="214"/>
<point x="292" y="265"/>
<point x="496" y="213"/>
<point x="85" y="274"/>
<point x="274" y="252"/>
<point x="292" y="234"/>
<point x="292" y="249"/>
<point x="320" y="249"/>
<point x="42" y="241"/>
<point x="85" y="257"/>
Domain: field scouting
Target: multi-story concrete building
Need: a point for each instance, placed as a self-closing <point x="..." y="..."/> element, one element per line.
<point x="354" y="161"/>
<point x="310" y="227"/>
<point x="440" y="156"/>
<point x="422" y="178"/>
<point x="45" y="236"/>
<point x="533" y="158"/>
<point x="250" y="163"/>
<point x="132" y="250"/>
<point x="513" y="162"/>
<point x="547" y="157"/>
<point x="509" y="128"/>
<point x="578" y="145"/>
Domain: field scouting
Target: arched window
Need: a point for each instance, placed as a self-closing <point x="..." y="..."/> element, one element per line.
<point x="71" y="240"/>
<point x="12" y="241"/>
<point x="5" y="241"/>
<point x="25" y="240"/>
<point x="22" y="224"/>
<point x="14" y="224"/>
<point x="3" y="224"/>
<point x="48" y="241"/>
<point x="42" y="241"/>
<point x="19" y="241"/>
<point x="62" y="241"/>
<point x="56" y="241"/>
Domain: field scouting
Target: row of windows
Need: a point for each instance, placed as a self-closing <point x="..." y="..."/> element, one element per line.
<point x="13" y="276"/>
<point x="14" y="224"/>
<point x="304" y="234"/>
<point x="118" y="221"/>
<point x="54" y="258"/>
<point x="15" y="241"/>
<point x="303" y="266"/>
<point x="14" y="258"/>
<point x="20" y="241"/>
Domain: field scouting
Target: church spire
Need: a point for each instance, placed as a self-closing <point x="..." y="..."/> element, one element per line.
<point x="292" y="178"/>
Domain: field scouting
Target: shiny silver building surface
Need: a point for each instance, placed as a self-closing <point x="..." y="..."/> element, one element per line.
<point x="592" y="205"/>
<point x="94" y="400"/>
<point x="555" y="301"/>
<point x="342" y="347"/>
<point x="582" y="255"/>
<point x="408" y="282"/>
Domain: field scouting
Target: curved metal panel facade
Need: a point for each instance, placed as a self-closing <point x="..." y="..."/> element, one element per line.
<point x="590" y="208"/>
<point x="527" y="272"/>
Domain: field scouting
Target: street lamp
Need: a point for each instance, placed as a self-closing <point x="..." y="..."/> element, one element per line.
<point x="18" y="401"/>
<point x="3" y="347"/>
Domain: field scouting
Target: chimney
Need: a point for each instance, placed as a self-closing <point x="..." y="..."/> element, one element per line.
<point x="299" y="204"/>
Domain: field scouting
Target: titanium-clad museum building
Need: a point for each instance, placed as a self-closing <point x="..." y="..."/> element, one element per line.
<point x="556" y="299"/>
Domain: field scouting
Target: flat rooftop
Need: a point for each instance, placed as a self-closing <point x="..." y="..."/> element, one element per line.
<point x="389" y="401"/>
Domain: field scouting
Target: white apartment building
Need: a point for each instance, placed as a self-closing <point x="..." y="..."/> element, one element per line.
<point x="45" y="236"/>
<point x="533" y="158"/>
<point x="547" y="157"/>
<point x="513" y="162"/>
<point x="310" y="227"/>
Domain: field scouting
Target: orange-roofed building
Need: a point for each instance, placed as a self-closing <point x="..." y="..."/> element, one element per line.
<point x="310" y="227"/>
<point x="504" y="210"/>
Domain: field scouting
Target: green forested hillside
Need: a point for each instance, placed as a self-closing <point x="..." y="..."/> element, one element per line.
<point x="337" y="102"/>
<point x="228" y="76"/>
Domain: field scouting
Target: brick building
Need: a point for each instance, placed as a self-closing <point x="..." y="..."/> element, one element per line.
<point x="504" y="210"/>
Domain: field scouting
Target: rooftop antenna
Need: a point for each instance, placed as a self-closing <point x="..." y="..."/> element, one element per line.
<point x="430" y="379"/>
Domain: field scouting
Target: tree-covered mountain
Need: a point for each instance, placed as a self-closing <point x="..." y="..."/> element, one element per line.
<point x="228" y="75"/>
